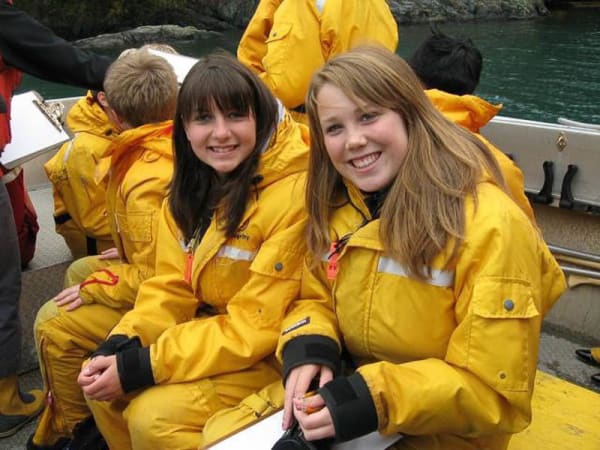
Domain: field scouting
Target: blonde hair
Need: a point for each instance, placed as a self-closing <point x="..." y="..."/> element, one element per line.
<point x="165" y="48"/>
<point x="424" y="209"/>
<point x="141" y="88"/>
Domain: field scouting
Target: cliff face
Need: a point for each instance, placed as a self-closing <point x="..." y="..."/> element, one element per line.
<point x="74" y="19"/>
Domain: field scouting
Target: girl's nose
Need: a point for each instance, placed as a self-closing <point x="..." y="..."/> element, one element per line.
<point x="221" y="129"/>
<point x="355" y="139"/>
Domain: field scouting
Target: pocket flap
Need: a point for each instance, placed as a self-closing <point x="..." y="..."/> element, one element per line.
<point x="277" y="263"/>
<point x="504" y="298"/>
<point x="279" y="31"/>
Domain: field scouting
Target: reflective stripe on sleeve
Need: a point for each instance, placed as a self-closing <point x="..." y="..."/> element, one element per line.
<point x="236" y="253"/>
<point x="442" y="278"/>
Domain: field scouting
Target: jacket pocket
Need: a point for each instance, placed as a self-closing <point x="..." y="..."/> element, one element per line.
<point x="136" y="225"/>
<point x="504" y="333"/>
<point x="278" y="47"/>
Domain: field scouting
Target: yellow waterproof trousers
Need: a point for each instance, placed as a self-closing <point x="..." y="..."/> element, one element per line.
<point x="172" y="416"/>
<point x="77" y="241"/>
<point x="257" y="405"/>
<point x="65" y="339"/>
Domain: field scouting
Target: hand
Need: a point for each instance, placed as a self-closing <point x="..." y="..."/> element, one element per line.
<point x="315" y="425"/>
<point x="99" y="380"/>
<point x="87" y="375"/>
<point x="297" y="385"/>
<point x="111" y="253"/>
<point x="70" y="298"/>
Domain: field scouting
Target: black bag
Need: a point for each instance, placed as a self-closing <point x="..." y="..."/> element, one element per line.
<point x="86" y="436"/>
<point x="293" y="439"/>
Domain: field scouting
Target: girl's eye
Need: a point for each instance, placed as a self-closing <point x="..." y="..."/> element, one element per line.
<point x="368" y="116"/>
<point x="237" y="115"/>
<point x="203" y="117"/>
<point x="333" y="128"/>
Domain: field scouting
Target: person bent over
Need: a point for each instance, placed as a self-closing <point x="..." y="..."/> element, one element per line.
<point x="141" y="93"/>
<point x="79" y="199"/>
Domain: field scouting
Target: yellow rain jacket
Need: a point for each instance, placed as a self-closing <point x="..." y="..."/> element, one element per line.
<point x="286" y="41"/>
<point x="140" y="162"/>
<point x="79" y="201"/>
<point x="246" y="282"/>
<point x="449" y="362"/>
<point x="473" y="113"/>
<point x="209" y="321"/>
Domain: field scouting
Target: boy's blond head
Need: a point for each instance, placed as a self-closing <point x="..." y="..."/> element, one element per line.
<point x="141" y="88"/>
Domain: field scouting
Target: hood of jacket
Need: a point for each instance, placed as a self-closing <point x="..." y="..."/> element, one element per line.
<point x="150" y="141"/>
<point x="287" y="151"/>
<point x="469" y="111"/>
<point x="88" y="116"/>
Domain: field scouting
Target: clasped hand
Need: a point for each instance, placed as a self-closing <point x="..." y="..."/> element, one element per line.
<point x="99" y="379"/>
<point x="310" y="411"/>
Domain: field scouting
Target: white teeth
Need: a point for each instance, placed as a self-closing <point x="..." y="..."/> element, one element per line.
<point x="222" y="149"/>
<point x="365" y="161"/>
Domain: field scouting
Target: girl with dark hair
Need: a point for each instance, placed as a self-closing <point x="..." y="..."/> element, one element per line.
<point x="203" y="332"/>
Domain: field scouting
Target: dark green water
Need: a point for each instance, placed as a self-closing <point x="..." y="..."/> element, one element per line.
<point x="538" y="69"/>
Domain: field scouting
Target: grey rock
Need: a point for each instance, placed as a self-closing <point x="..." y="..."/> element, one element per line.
<point x="144" y="35"/>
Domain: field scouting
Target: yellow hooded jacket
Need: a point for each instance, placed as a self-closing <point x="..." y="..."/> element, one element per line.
<point x="225" y="313"/>
<point x="450" y="362"/>
<point x="139" y="166"/>
<point x="286" y="41"/>
<point x="79" y="201"/>
<point x="473" y="113"/>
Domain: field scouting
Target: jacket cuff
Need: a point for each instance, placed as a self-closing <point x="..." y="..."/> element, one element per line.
<point x="310" y="349"/>
<point x="109" y="346"/>
<point x="351" y="407"/>
<point x="135" y="370"/>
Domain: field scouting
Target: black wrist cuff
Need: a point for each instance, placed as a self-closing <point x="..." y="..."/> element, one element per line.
<point x="109" y="346"/>
<point x="311" y="349"/>
<point x="135" y="370"/>
<point x="351" y="407"/>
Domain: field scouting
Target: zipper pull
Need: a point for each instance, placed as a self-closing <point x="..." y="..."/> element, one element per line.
<point x="189" y="259"/>
<point x="333" y="267"/>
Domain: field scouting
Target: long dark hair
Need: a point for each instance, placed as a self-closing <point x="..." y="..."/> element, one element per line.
<point x="220" y="81"/>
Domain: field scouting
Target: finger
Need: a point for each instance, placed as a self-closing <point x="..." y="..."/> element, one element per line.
<point x="95" y="389"/>
<point x="67" y="298"/>
<point x="111" y="253"/>
<point x="323" y="432"/>
<point x="98" y="365"/>
<point x="316" y="426"/>
<point x="289" y="395"/>
<point x="84" y="380"/>
<point x="326" y="376"/>
<point x="74" y="304"/>
<point x="90" y="391"/>
<point x="62" y="294"/>
<point x="310" y="405"/>
<point x="95" y="367"/>
<point x="304" y="379"/>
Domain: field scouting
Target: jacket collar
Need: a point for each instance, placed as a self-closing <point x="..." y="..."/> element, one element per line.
<point x="150" y="137"/>
<point x="469" y="111"/>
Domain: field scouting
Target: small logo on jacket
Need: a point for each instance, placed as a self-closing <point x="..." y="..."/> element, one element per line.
<point x="295" y="326"/>
<point x="240" y="231"/>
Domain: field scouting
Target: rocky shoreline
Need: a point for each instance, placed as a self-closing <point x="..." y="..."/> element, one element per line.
<point x="76" y="19"/>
